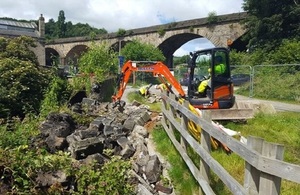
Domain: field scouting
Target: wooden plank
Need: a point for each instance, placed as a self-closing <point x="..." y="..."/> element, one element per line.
<point x="270" y="184"/>
<point x="272" y="166"/>
<point x="184" y="125"/>
<point x="232" y="114"/>
<point x="203" y="183"/>
<point x="228" y="180"/>
<point x="252" y="174"/>
<point x="206" y="144"/>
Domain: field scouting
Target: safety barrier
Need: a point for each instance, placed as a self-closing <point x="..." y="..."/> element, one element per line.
<point x="264" y="168"/>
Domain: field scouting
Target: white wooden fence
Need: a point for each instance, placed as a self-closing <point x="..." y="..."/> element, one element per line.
<point x="264" y="167"/>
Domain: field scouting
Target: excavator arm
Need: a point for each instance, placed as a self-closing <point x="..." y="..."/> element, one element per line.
<point x="158" y="69"/>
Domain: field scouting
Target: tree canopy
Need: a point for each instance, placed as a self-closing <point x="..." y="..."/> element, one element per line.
<point x="63" y="29"/>
<point x="99" y="60"/>
<point x="138" y="51"/>
<point x="271" y="21"/>
<point x="22" y="83"/>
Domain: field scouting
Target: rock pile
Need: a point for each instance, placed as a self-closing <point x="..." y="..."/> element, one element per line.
<point x="120" y="129"/>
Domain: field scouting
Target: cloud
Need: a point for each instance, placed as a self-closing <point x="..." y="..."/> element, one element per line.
<point x="126" y="14"/>
<point x="115" y="14"/>
<point x="193" y="45"/>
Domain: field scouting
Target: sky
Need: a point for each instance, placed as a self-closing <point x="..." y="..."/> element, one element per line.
<point x="126" y="14"/>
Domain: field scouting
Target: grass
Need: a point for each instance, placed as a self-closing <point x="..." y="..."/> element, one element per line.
<point x="281" y="128"/>
<point x="274" y="86"/>
<point x="180" y="176"/>
<point x="137" y="97"/>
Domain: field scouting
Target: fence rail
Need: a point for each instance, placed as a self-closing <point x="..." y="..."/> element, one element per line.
<point x="264" y="166"/>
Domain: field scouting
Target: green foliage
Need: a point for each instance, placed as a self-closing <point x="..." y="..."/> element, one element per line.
<point x="121" y="32"/>
<point x="257" y="57"/>
<point x="181" y="60"/>
<point x="281" y="128"/>
<point x="18" y="48"/>
<point x="156" y="107"/>
<point x="25" y="163"/>
<point x="270" y="22"/>
<point x="277" y="86"/>
<point x="112" y="178"/>
<point x="56" y="95"/>
<point x="81" y="119"/>
<point x="100" y="61"/>
<point x="273" y="82"/>
<point x="63" y="29"/>
<point x="130" y="32"/>
<point x="61" y="25"/>
<point x="239" y="58"/>
<point x="22" y="83"/>
<point x="16" y="132"/>
<point x="287" y="53"/>
<point x="212" y="17"/>
<point x="138" y="51"/>
<point x="181" y="177"/>
<point x="191" y="29"/>
<point x="172" y="25"/>
<point x="161" y="31"/>
<point x="20" y="165"/>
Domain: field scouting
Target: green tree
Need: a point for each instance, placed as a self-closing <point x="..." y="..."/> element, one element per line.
<point x="18" y="48"/>
<point x="212" y="17"/>
<point x="181" y="60"/>
<point x="99" y="60"/>
<point x="22" y="83"/>
<point x="136" y="50"/>
<point x="121" y="32"/>
<point x="50" y="29"/>
<point x="287" y="53"/>
<point x="61" y="25"/>
<point x="271" y="21"/>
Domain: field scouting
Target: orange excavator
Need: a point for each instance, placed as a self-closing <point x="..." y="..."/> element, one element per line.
<point x="217" y="95"/>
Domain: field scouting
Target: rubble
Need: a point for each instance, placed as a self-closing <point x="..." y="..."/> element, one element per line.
<point x="121" y="130"/>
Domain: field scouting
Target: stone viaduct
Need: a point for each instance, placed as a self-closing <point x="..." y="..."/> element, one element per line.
<point x="224" y="31"/>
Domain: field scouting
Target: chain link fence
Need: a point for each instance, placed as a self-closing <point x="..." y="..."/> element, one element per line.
<point x="281" y="81"/>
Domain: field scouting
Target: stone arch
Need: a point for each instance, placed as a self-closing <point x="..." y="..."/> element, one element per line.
<point x="74" y="54"/>
<point x="52" y="56"/>
<point x="171" y="44"/>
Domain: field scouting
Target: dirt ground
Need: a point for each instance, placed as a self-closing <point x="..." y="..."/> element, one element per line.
<point x="150" y="125"/>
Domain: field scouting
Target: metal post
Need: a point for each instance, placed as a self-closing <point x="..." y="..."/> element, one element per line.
<point x="120" y="45"/>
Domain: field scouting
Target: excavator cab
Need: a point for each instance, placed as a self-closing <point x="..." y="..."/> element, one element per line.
<point x="212" y="67"/>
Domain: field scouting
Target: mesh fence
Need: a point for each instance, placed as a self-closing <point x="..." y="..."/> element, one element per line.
<point x="280" y="81"/>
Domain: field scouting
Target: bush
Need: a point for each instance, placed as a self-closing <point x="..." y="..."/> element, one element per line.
<point x="56" y="95"/>
<point x="22" y="86"/>
<point x="96" y="65"/>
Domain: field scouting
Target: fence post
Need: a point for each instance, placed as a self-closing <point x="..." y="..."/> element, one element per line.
<point x="206" y="144"/>
<point x="164" y="108"/>
<point x="270" y="184"/>
<point x="257" y="182"/>
<point x="184" y="124"/>
<point x="251" y="181"/>
<point x="170" y="109"/>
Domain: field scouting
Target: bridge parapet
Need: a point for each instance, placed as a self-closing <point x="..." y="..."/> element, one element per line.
<point x="225" y="28"/>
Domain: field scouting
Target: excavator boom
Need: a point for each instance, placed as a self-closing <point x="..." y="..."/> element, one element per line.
<point x="157" y="68"/>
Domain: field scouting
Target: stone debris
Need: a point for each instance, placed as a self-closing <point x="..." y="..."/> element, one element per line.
<point x="121" y="130"/>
